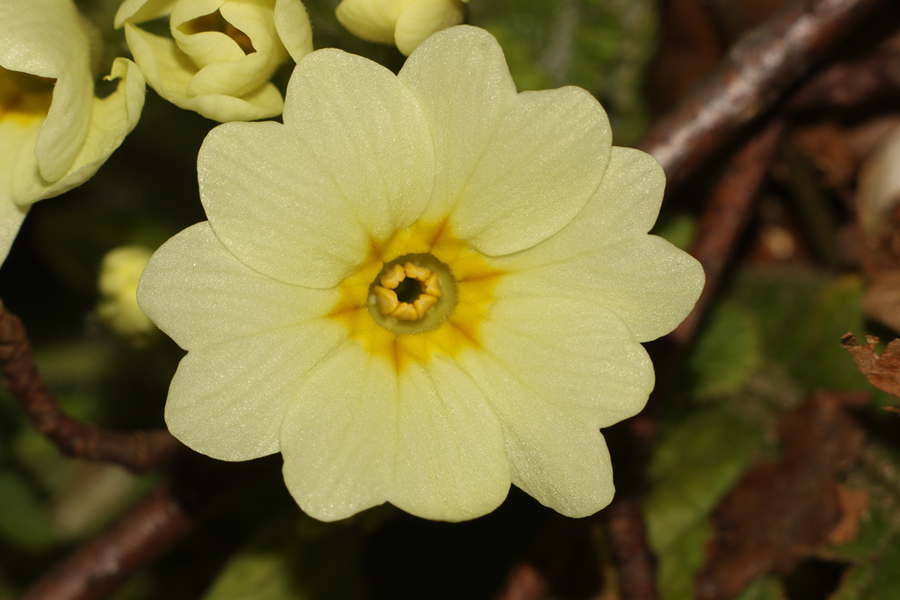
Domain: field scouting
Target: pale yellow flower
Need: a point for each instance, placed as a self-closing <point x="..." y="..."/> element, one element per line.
<point x="118" y="309"/>
<point x="54" y="133"/>
<point x="222" y="53"/>
<point x="405" y="23"/>
<point x="290" y="298"/>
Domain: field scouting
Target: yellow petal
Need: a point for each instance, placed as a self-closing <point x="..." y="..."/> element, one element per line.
<point x="464" y="88"/>
<point x="44" y="155"/>
<point x="544" y="161"/>
<point x="250" y="340"/>
<point x="112" y="118"/>
<point x="170" y="74"/>
<point x="605" y="256"/>
<point x="228" y="400"/>
<point x="224" y="66"/>
<point x="554" y="456"/>
<point x="44" y="38"/>
<point x="339" y="435"/>
<point x="451" y="458"/>
<point x="352" y="164"/>
<point x="555" y="371"/>
<point x="202" y="48"/>
<point x="572" y="354"/>
<point x="293" y="27"/>
<point x="219" y="298"/>
<point x="139" y="11"/>
<point x="11" y="217"/>
<point x="372" y="20"/>
<point x="20" y="180"/>
<point x="424" y="17"/>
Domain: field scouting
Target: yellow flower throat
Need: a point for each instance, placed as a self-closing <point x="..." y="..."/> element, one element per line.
<point x="421" y="293"/>
<point x="24" y="98"/>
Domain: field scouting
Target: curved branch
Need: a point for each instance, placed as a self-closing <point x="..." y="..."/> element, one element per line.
<point x="148" y="530"/>
<point x="139" y="452"/>
<point x="759" y="69"/>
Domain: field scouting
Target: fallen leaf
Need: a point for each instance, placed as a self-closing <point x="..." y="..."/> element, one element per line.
<point x="825" y="145"/>
<point x="882" y="370"/>
<point x="780" y="512"/>
<point x="882" y="299"/>
<point x="853" y="504"/>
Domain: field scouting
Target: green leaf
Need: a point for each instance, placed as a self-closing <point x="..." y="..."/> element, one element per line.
<point x="23" y="521"/>
<point x="875" y="578"/>
<point x="604" y="46"/>
<point x="802" y="316"/>
<point x="726" y="353"/>
<point x="294" y="558"/>
<point x="691" y="468"/>
<point x="678" y="229"/>
<point x="764" y="588"/>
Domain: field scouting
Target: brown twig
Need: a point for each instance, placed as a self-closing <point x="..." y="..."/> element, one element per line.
<point x="853" y="82"/>
<point x="146" y="531"/>
<point x="759" y="69"/>
<point x="631" y="552"/>
<point x="137" y="538"/>
<point x="140" y="451"/>
<point x="725" y="217"/>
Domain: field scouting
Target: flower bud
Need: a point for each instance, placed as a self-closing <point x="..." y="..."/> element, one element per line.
<point x="221" y="53"/>
<point x="405" y="23"/>
<point x="118" y="309"/>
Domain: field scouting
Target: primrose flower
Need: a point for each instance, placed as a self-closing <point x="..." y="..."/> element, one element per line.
<point x="405" y="23"/>
<point x="420" y="288"/>
<point x="54" y="133"/>
<point x="120" y="272"/>
<point x="222" y="53"/>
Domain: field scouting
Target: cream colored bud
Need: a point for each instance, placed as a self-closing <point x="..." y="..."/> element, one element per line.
<point x="118" y="309"/>
<point x="404" y="23"/>
<point x="221" y="55"/>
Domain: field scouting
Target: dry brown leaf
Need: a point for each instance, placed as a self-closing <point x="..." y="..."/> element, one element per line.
<point x="826" y="147"/>
<point x="853" y="504"/>
<point x="882" y="299"/>
<point x="882" y="370"/>
<point x="781" y="512"/>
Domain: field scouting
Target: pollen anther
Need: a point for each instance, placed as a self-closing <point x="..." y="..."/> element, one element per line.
<point x="389" y="304"/>
<point x="392" y="278"/>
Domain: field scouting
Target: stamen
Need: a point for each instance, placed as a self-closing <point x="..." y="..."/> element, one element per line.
<point x="423" y="303"/>
<point x="416" y="272"/>
<point x="432" y="286"/>
<point x="392" y="278"/>
<point x="386" y="299"/>
<point x="405" y="312"/>
<point x="396" y="298"/>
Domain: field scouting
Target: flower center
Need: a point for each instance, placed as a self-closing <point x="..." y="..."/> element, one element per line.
<point x="447" y="287"/>
<point x="412" y="293"/>
<point x="24" y="97"/>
